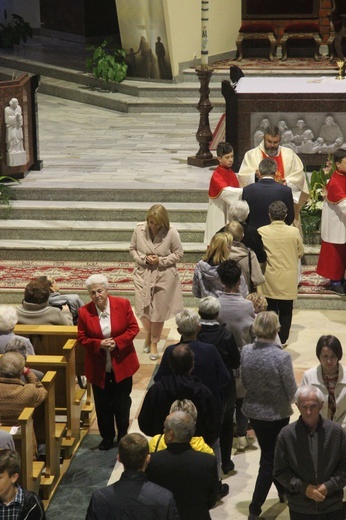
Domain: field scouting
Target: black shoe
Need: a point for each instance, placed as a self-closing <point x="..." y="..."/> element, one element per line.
<point x="282" y="498"/>
<point x="223" y="490"/>
<point x="105" y="445"/>
<point x="229" y="466"/>
<point x="337" y="288"/>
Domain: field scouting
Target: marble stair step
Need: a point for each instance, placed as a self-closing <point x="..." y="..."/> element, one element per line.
<point x="123" y="193"/>
<point x="125" y="102"/>
<point x="87" y="230"/>
<point x="128" y="96"/>
<point x="105" y="211"/>
<point x="75" y="250"/>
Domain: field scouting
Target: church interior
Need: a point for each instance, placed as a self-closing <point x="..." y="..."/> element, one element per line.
<point x="99" y="154"/>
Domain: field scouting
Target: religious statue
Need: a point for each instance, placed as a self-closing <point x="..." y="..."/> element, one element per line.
<point x="14" y="134"/>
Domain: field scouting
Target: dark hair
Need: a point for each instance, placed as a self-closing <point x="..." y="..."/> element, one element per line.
<point x="273" y="131"/>
<point x="229" y="273"/>
<point x="44" y="280"/>
<point x="331" y="342"/>
<point x="339" y="155"/>
<point x="277" y="210"/>
<point x="133" y="450"/>
<point x="36" y="292"/>
<point x="9" y="461"/>
<point x="181" y="360"/>
<point x="267" y="167"/>
<point x="223" y="148"/>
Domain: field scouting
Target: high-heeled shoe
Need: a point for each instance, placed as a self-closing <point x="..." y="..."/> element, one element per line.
<point x="154" y="357"/>
<point x="146" y="350"/>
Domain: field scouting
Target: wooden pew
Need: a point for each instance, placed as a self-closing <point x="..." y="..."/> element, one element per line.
<point x="31" y="471"/>
<point x="50" y="340"/>
<point x="40" y="423"/>
<point x="50" y="433"/>
<point x="68" y="395"/>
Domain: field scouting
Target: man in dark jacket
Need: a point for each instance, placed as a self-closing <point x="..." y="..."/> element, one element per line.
<point x="133" y="496"/>
<point x="261" y="194"/>
<point x="208" y="364"/>
<point x="180" y="384"/>
<point x="310" y="461"/>
<point x="15" y="502"/>
<point x="212" y="332"/>
<point x="189" y="474"/>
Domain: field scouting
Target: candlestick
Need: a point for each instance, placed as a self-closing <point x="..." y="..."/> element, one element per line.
<point x="204" y="23"/>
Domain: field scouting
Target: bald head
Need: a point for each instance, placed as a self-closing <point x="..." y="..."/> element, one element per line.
<point x="179" y="427"/>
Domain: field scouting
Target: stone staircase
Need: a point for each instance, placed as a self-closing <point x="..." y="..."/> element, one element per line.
<point x="128" y="96"/>
<point x="71" y="225"/>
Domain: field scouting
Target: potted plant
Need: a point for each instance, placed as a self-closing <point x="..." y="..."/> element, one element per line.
<point x="311" y="213"/>
<point x="13" y="31"/>
<point x="107" y="63"/>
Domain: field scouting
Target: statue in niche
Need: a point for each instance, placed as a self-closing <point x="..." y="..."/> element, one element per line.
<point x="16" y="155"/>
<point x="14" y="127"/>
<point x="331" y="137"/>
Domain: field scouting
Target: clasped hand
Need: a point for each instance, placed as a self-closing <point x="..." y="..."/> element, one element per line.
<point x="317" y="493"/>
<point x="152" y="259"/>
<point x="108" y="344"/>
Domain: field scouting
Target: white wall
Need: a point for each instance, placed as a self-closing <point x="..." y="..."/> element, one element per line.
<point x="183" y="24"/>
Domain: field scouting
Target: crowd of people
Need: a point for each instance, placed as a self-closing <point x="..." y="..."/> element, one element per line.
<point x="228" y="375"/>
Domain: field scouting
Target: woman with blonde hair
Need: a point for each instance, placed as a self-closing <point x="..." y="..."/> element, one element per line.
<point x="267" y="376"/>
<point x="157" y="442"/>
<point x="156" y="248"/>
<point x="206" y="281"/>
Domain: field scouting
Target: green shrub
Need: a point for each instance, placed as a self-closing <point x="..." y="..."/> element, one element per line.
<point x="14" y="31"/>
<point x="107" y="63"/>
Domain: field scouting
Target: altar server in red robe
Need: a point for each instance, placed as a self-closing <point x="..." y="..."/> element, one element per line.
<point x="223" y="191"/>
<point x="332" y="259"/>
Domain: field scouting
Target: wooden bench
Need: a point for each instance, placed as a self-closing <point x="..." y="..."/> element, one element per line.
<point x="50" y="433"/>
<point x="31" y="471"/>
<point x="50" y="340"/>
<point x="68" y="395"/>
<point x="40" y="423"/>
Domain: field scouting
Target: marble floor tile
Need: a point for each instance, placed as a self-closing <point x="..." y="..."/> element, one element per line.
<point x="307" y="327"/>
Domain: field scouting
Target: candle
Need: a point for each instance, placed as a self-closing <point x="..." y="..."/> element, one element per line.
<point x="204" y="20"/>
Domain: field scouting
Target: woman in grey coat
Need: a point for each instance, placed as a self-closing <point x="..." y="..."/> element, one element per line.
<point x="267" y="376"/>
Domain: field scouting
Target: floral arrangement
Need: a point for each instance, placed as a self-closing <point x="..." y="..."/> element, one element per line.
<point x="312" y="211"/>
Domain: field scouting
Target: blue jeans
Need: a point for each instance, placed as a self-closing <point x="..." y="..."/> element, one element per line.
<point x="266" y="433"/>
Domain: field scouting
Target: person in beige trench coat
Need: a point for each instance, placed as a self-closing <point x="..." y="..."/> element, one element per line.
<point x="284" y="246"/>
<point x="156" y="248"/>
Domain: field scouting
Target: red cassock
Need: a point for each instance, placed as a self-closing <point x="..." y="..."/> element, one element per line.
<point x="221" y="178"/>
<point x="124" y="328"/>
<point x="332" y="259"/>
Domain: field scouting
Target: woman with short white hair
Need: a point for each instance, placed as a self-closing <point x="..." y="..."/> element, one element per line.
<point x="8" y="320"/>
<point x="106" y="329"/>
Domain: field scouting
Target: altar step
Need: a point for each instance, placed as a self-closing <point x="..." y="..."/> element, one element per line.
<point x="55" y="224"/>
<point x="129" y="96"/>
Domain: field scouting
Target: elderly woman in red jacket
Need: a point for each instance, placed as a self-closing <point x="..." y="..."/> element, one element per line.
<point x="107" y="328"/>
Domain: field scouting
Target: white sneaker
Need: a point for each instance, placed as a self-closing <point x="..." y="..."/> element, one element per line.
<point x="245" y="442"/>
